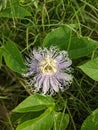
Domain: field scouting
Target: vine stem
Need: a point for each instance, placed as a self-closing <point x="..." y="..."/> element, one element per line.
<point x="66" y="107"/>
<point x="7" y="115"/>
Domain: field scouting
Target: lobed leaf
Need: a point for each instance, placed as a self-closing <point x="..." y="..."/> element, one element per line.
<point x="13" y="57"/>
<point x="91" y="68"/>
<point x="22" y="117"/>
<point x="76" y="46"/>
<point x="15" y="11"/>
<point x="43" y="122"/>
<point x="35" y="102"/>
<point x="91" y="122"/>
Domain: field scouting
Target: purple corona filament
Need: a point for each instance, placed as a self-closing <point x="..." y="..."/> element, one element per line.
<point x="49" y="71"/>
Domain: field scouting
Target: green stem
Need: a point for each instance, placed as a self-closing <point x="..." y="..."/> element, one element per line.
<point x="7" y="115"/>
<point x="65" y="106"/>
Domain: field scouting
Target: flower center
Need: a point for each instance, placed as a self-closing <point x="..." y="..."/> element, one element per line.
<point x="48" y="65"/>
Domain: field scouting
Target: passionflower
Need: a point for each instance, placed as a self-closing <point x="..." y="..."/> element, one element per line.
<point x="49" y="70"/>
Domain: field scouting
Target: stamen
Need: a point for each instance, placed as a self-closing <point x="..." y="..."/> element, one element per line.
<point x="48" y="65"/>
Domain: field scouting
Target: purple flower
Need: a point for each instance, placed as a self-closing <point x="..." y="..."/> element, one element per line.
<point x="49" y="71"/>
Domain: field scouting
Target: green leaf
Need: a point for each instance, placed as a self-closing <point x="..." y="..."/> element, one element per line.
<point x="43" y="122"/>
<point x="22" y="117"/>
<point x="35" y="103"/>
<point x="61" y="121"/>
<point x="13" y="57"/>
<point x="91" y="122"/>
<point x="81" y="46"/>
<point x="15" y="11"/>
<point x="91" y="68"/>
<point x="63" y="38"/>
<point x="58" y="37"/>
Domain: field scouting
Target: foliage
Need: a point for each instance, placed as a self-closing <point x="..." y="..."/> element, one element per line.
<point x="76" y="46"/>
<point x="45" y="120"/>
<point x="69" y="25"/>
<point x="13" y="57"/>
<point x="91" y="122"/>
<point x="91" y="68"/>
